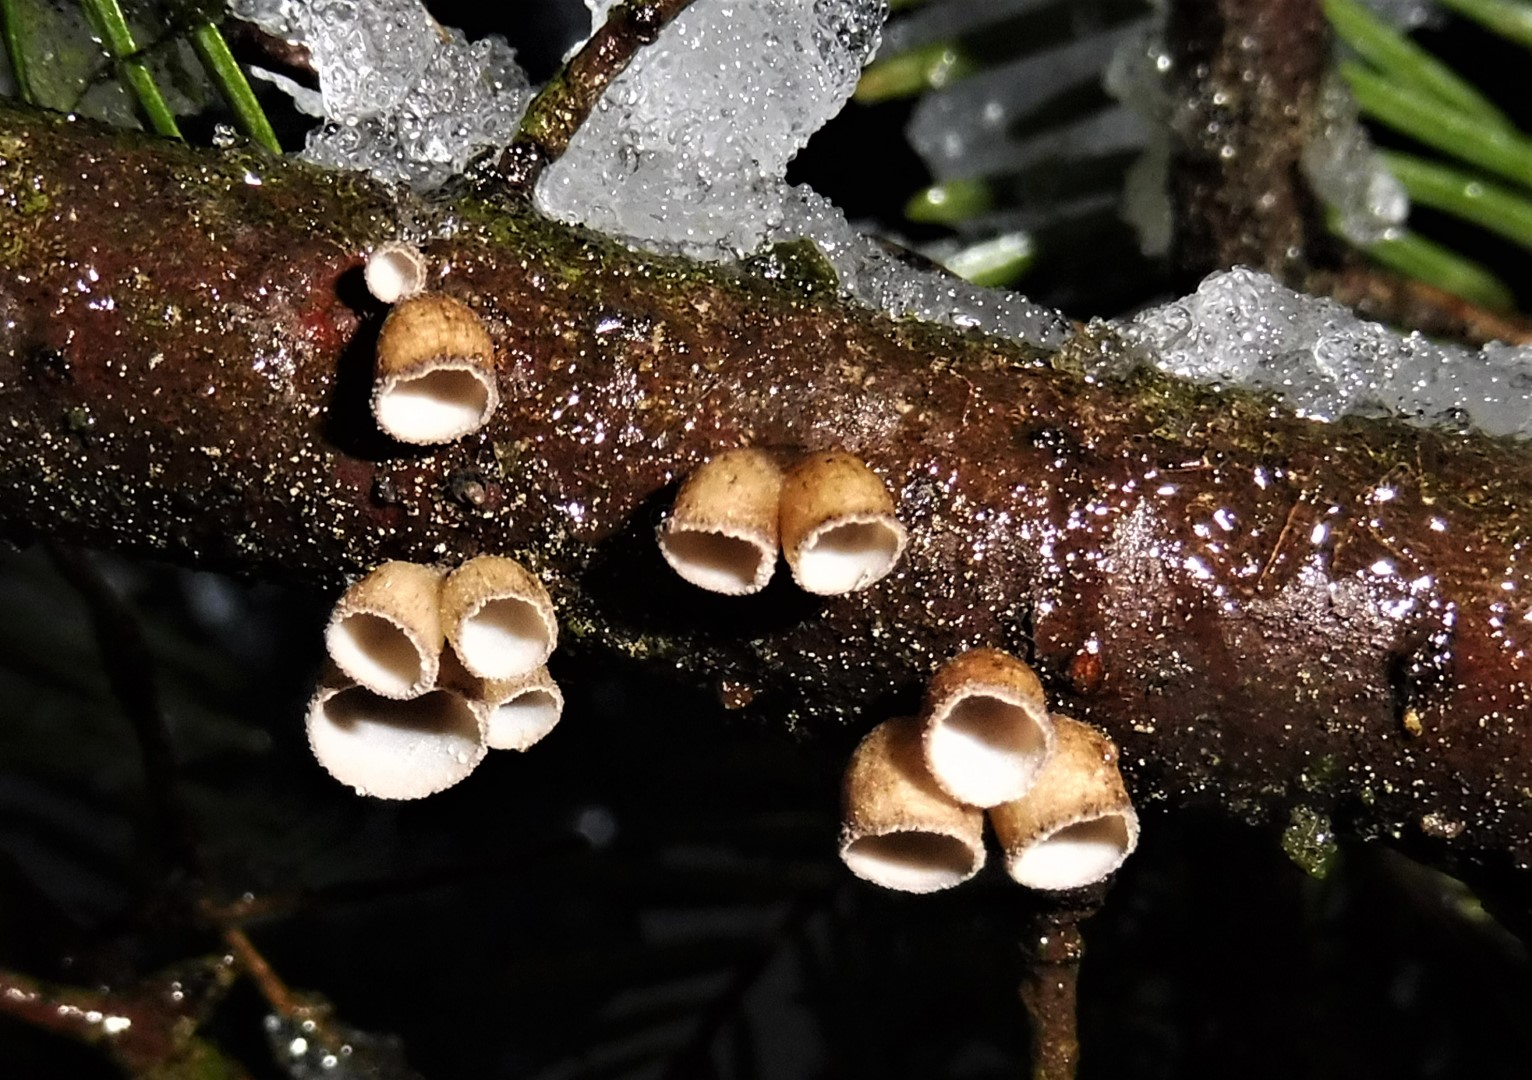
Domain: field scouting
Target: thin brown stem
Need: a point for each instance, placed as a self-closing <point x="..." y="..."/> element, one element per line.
<point x="559" y="109"/>
<point x="1054" y="948"/>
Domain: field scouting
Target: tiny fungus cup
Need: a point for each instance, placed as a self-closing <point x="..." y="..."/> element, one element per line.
<point x="519" y="712"/>
<point x="837" y="522"/>
<point x="385" y="631"/>
<point x="1076" y="825"/>
<point x="393" y="749"/>
<point x="722" y="531"/>
<point x="498" y="617"/>
<point x="987" y="728"/>
<point x="395" y="271"/>
<point x="436" y="371"/>
<point x="898" y="829"/>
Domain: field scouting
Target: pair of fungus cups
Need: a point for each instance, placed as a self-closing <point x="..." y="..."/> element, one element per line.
<point x="435" y="379"/>
<point x="831" y="516"/>
<point x="400" y="716"/>
<point x="916" y="789"/>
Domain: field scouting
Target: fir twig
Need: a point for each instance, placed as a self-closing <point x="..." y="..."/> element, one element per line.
<point x="561" y="107"/>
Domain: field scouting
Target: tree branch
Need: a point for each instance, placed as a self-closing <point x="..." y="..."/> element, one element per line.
<point x="1264" y="611"/>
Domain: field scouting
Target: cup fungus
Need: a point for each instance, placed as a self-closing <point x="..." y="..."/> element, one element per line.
<point x="837" y="522"/>
<point x="386" y="632"/>
<point x="392" y="749"/>
<point x="987" y="728"/>
<point x="519" y="712"/>
<point x="898" y="829"/>
<point x="498" y="617"/>
<point x="722" y="531"/>
<point x="436" y="371"/>
<point x="1076" y="825"/>
<point x="395" y="271"/>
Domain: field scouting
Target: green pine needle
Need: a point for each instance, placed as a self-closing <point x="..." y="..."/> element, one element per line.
<point x="1406" y="63"/>
<point x="1511" y="19"/>
<point x="230" y="79"/>
<point x="15" y="49"/>
<point x="110" y="22"/>
<point x="1425" y="260"/>
<point x="1501" y="210"/>
<point x="1426" y="119"/>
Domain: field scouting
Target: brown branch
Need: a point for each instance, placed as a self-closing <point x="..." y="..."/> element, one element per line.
<point x="561" y="106"/>
<point x="1054" y="948"/>
<point x="1284" y="612"/>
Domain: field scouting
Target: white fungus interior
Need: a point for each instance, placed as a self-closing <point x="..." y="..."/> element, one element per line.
<point x="396" y="749"/>
<point x="986" y="751"/>
<point x="375" y="652"/>
<point x="393" y="274"/>
<point x="1078" y="854"/>
<point x="915" y="861"/>
<point x="503" y="639"/>
<point x="719" y="563"/>
<point x="523" y="720"/>
<point x="434" y="407"/>
<point x="846" y="557"/>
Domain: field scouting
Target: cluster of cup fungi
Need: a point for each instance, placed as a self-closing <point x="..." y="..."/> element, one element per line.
<point x="917" y="789"/>
<point x="430" y="668"/>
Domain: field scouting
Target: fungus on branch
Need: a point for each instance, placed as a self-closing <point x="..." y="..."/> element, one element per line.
<point x="392" y="749"/>
<point x="1077" y="824"/>
<point x="722" y="531"/>
<point x="839" y="531"/>
<point x="898" y="829"/>
<point x="498" y="617"/>
<point x="436" y="371"/>
<point x="385" y="631"/>
<point x="987" y="728"/>
<point x="395" y="271"/>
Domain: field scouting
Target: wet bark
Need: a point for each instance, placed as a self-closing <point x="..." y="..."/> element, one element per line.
<point x="1264" y="611"/>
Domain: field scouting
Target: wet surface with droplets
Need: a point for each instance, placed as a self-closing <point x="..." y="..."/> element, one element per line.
<point x="1276" y="612"/>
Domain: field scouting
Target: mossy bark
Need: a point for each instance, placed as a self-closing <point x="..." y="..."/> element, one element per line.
<point x="1263" y="611"/>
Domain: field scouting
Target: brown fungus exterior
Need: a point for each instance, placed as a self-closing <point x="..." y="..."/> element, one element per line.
<point x="987" y="732"/>
<point x="385" y="631"/>
<point x="722" y="531"/>
<point x="898" y="829"/>
<point x="839" y="532"/>
<point x="435" y="378"/>
<point x="1077" y="824"/>
<point x="498" y="617"/>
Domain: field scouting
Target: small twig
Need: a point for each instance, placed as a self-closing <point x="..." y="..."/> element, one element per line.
<point x="1403" y="302"/>
<point x="277" y="993"/>
<point x="559" y="109"/>
<point x="1054" y="948"/>
<point x="129" y="670"/>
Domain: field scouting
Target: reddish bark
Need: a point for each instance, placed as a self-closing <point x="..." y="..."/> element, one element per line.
<point x="1282" y="612"/>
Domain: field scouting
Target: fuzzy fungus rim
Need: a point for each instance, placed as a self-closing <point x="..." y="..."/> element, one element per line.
<point x="987" y="728"/>
<point x="392" y="749"/>
<point x="498" y="617"/>
<point x="898" y="829"/>
<point x="385" y="630"/>
<point x="1077" y="853"/>
<point x="445" y="400"/>
<point x="838" y="526"/>
<point x="395" y="271"/>
<point x="722" y="532"/>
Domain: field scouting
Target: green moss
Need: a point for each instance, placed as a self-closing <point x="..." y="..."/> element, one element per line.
<point x="1309" y="840"/>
